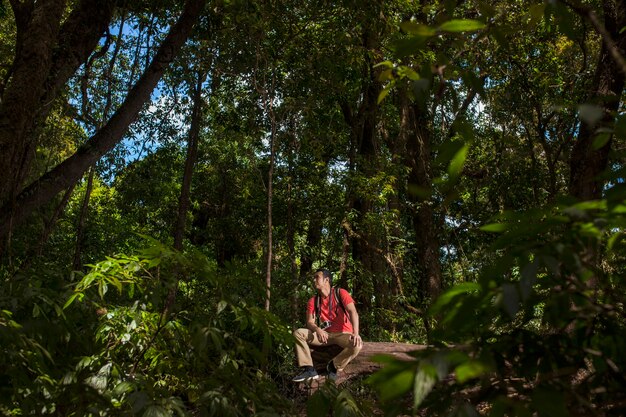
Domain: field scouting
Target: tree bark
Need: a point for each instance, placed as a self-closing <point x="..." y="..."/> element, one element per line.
<point x="47" y="55"/>
<point x="363" y="364"/>
<point x="69" y="171"/>
<point x="363" y="135"/>
<point x="420" y="194"/>
<point x="185" y="189"/>
<point x="190" y="162"/>
<point x="587" y="163"/>
<point x="82" y="219"/>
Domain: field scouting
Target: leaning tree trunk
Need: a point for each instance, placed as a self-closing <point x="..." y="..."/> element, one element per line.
<point x="42" y="190"/>
<point x="587" y="163"/>
<point x="49" y="47"/>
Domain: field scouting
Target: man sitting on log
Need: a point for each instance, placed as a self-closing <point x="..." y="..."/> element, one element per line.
<point x="331" y="319"/>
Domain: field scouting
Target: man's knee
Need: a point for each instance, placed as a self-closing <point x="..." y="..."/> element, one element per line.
<point x="355" y="350"/>
<point x="301" y="334"/>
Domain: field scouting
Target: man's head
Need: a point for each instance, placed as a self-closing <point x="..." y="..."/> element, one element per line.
<point x="322" y="278"/>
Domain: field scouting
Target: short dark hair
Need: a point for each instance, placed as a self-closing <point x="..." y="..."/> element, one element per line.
<point x="326" y="274"/>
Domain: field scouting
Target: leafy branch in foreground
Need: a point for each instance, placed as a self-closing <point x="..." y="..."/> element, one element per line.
<point x="540" y="332"/>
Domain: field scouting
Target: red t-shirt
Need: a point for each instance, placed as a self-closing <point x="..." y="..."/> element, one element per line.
<point x="339" y="318"/>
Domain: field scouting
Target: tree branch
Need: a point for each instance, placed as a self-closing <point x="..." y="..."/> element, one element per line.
<point x="69" y="171"/>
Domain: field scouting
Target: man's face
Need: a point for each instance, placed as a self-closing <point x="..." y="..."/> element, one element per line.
<point x="318" y="280"/>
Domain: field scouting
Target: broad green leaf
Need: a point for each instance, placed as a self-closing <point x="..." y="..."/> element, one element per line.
<point x="600" y="140"/>
<point x="423" y="384"/>
<point x="386" y="64"/>
<point x="469" y="370"/>
<point x="446" y="297"/>
<point x="456" y="164"/>
<point x="122" y="388"/>
<point x="385" y="91"/>
<point x="495" y="227"/>
<point x="408" y="72"/>
<point x="156" y="411"/>
<point x="461" y="25"/>
<point x="318" y="405"/>
<point x="417" y="29"/>
<point x="396" y="385"/>
<point x="73" y="297"/>
<point x="385" y="75"/>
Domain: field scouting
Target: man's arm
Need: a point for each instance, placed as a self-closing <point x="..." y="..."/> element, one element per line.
<point x="322" y="336"/>
<point x="354" y="319"/>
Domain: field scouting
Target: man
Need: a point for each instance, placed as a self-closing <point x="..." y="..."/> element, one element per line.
<point x="333" y="321"/>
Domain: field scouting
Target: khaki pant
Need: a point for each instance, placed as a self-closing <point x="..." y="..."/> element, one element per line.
<point x="305" y="337"/>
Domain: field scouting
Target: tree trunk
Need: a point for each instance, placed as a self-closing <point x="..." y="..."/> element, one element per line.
<point x="69" y="171"/>
<point x="420" y="193"/>
<point x="47" y="55"/>
<point x="587" y="163"/>
<point x="82" y="219"/>
<point x="185" y="189"/>
<point x="190" y="161"/>
<point x="291" y="234"/>
<point x="363" y="136"/>
<point x="270" y="196"/>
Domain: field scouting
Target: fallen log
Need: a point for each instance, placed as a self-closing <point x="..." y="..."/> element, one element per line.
<point x="363" y="364"/>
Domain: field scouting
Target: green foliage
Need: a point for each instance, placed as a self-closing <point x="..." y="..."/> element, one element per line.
<point x="209" y="358"/>
<point x="545" y="320"/>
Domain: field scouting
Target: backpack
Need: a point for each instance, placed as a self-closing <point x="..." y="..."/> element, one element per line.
<point x="334" y="295"/>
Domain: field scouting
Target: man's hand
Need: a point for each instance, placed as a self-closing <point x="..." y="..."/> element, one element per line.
<point x="322" y="335"/>
<point x="356" y="340"/>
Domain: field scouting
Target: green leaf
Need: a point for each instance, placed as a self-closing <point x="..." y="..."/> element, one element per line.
<point x="470" y="370"/>
<point x="385" y="91"/>
<point x="423" y="384"/>
<point x="122" y="388"/>
<point x="600" y="140"/>
<point x="446" y="297"/>
<point x="408" y="72"/>
<point x="415" y="28"/>
<point x="318" y="405"/>
<point x="73" y="297"/>
<point x="396" y="385"/>
<point x="461" y="25"/>
<point x="386" y="64"/>
<point x="456" y="164"/>
<point x="156" y="411"/>
<point x="495" y="227"/>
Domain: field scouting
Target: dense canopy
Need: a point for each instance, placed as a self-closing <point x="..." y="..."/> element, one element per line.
<point x="174" y="172"/>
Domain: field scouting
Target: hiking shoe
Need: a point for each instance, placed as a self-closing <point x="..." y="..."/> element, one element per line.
<point x="332" y="371"/>
<point x="306" y="375"/>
